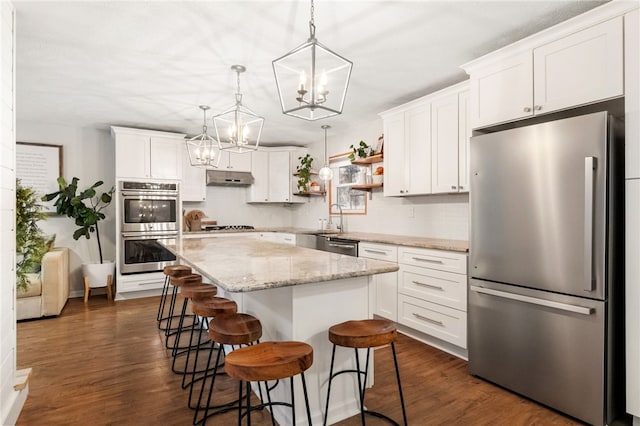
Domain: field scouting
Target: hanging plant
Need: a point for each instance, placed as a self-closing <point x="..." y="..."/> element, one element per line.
<point x="30" y="241"/>
<point x="362" y="150"/>
<point x="304" y="172"/>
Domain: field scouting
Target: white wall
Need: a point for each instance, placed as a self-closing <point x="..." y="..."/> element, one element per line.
<point x="89" y="155"/>
<point x="435" y="216"/>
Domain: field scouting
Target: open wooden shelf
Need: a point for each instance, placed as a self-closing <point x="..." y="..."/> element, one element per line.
<point x="312" y="172"/>
<point x="367" y="187"/>
<point x="377" y="158"/>
<point x="311" y="193"/>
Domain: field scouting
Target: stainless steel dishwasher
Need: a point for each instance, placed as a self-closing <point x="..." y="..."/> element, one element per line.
<point x="335" y="244"/>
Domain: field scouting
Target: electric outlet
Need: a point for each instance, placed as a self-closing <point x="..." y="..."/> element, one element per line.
<point x="412" y="212"/>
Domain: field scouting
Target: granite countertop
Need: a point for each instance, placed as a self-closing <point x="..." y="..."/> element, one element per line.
<point x="241" y="265"/>
<point x="401" y="240"/>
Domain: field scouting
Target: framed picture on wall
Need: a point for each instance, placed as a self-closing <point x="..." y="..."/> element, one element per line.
<point x="351" y="201"/>
<point x="38" y="166"/>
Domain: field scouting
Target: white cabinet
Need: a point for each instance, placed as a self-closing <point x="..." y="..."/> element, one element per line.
<point x="449" y="143"/>
<point x="432" y="293"/>
<point x="583" y="67"/>
<point x="407" y="151"/>
<point x="272" y="173"/>
<point x="384" y="287"/>
<point x="279" y="237"/>
<point x="632" y="294"/>
<point x="193" y="186"/>
<point x="235" y="162"/>
<point x="632" y="97"/>
<point x="142" y="154"/>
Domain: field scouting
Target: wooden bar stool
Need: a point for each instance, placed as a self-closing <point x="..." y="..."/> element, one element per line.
<point x="177" y="282"/>
<point x="267" y="361"/>
<point x="233" y="330"/>
<point x="363" y="334"/>
<point x="169" y="271"/>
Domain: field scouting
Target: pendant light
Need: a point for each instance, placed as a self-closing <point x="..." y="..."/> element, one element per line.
<point x="238" y="129"/>
<point x="325" y="172"/>
<point x="202" y="148"/>
<point x="312" y="80"/>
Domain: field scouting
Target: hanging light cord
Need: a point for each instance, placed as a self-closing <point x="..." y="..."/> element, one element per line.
<point x="238" y="94"/>
<point x="325" y="145"/>
<point x="312" y="24"/>
<point x="204" y="121"/>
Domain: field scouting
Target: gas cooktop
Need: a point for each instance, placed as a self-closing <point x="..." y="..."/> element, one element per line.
<point x="226" y="227"/>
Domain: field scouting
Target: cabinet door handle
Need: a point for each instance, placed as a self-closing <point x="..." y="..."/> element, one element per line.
<point x="527" y="109"/>
<point x="421" y="259"/>
<point x="435" y="287"/>
<point x="461" y="187"/>
<point x="454" y="187"/>
<point x="402" y="191"/>
<point x="538" y="107"/>
<point x="432" y="321"/>
<point x="375" y="251"/>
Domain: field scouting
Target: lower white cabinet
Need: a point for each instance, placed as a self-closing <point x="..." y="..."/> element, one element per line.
<point x="432" y="293"/>
<point x="384" y="287"/>
<point x="279" y="237"/>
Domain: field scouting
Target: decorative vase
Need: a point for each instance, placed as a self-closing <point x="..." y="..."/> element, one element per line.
<point x="97" y="273"/>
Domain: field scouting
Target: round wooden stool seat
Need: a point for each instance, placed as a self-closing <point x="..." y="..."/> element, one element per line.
<point x="185" y="279"/>
<point x="214" y="306"/>
<point x="269" y="361"/>
<point x="368" y="333"/>
<point x="198" y="291"/>
<point x="176" y="270"/>
<point x="235" y="329"/>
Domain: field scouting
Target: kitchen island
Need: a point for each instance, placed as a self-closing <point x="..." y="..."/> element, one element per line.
<point x="297" y="293"/>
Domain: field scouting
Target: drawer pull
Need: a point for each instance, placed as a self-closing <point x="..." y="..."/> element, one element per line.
<point x="432" y="321"/>
<point x="422" y="259"/>
<point x="375" y="251"/>
<point x="435" y="287"/>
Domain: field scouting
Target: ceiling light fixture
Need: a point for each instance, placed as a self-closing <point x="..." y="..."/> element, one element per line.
<point x="312" y="80"/>
<point x="325" y="172"/>
<point x="238" y="129"/>
<point x="202" y="148"/>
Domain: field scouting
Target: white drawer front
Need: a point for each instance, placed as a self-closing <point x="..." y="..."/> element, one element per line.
<point x="139" y="285"/>
<point x="443" y="288"/>
<point x="439" y="321"/>
<point x="435" y="259"/>
<point x="378" y="251"/>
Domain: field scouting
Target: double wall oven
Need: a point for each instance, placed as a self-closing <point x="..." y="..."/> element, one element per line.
<point x="149" y="212"/>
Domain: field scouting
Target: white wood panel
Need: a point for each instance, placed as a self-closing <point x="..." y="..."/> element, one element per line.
<point x="444" y="145"/>
<point x="502" y="91"/>
<point x="259" y="191"/>
<point x="165" y="157"/>
<point x="464" y="139"/>
<point x="443" y="288"/>
<point x="435" y="259"/>
<point x="442" y="322"/>
<point x="132" y="156"/>
<point x="279" y="177"/>
<point x="383" y="287"/>
<point x="632" y="295"/>
<point x="395" y="172"/>
<point x="377" y="251"/>
<point x="418" y="150"/>
<point x="632" y="94"/>
<point x="584" y="67"/>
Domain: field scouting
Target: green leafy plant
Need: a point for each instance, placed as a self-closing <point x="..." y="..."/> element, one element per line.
<point x="31" y="244"/>
<point x="304" y="172"/>
<point x="362" y="150"/>
<point x="84" y="207"/>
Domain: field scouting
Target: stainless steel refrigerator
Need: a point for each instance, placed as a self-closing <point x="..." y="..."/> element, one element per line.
<point x="546" y="264"/>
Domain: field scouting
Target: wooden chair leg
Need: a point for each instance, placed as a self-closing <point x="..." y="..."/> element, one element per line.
<point x="109" y="290"/>
<point x="86" y="289"/>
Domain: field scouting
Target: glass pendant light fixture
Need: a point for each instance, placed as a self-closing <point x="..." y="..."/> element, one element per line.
<point x="312" y="80"/>
<point x="202" y="148"/>
<point x="325" y="172"/>
<point x="238" y="129"/>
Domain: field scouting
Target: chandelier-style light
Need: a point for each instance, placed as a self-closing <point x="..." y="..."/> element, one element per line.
<point x="238" y="129"/>
<point x="325" y="172"/>
<point x="202" y="148"/>
<point x="312" y="80"/>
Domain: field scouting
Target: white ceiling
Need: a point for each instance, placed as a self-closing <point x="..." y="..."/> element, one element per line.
<point x="150" y="64"/>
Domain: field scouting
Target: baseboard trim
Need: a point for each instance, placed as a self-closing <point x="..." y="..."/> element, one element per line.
<point x="18" y="397"/>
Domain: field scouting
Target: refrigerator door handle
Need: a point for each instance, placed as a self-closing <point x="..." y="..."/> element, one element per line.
<point x="534" y="301"/>
<point x="590" y="165"/>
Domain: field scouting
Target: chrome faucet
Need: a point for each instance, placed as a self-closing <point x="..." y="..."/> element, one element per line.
<point x="341" y="226"/>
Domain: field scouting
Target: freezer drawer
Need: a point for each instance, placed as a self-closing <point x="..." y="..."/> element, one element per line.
<point x="546" y="346"/>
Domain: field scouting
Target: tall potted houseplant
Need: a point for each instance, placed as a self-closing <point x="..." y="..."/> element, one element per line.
<point x="85" y="208"/>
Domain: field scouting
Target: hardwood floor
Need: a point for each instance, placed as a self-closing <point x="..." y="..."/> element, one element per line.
<point x="104" y="363"/>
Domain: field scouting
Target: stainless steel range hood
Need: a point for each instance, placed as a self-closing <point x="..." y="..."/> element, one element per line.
<point x="228" y="178"/>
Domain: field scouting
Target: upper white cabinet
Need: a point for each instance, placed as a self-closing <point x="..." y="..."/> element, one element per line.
<point x="427" y="143"/>
<point x="581" y="67"/>
<point x="193" y="186"/>
<point x="235" y="162"/>
<point x="449" y="143"/>
<point x="632" y="101"/>
<point x="142" y="154"/>
<point x="272" y="172"/>
<point x="407" y="151"/>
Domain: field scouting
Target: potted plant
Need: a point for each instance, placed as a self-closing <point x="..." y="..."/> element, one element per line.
<point x="31" y="244"/>
<point x="85" y="208"/>
<point x="362" y="150"/>
<point x="303" y="170"/>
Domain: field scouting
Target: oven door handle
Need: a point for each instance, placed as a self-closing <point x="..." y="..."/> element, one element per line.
<point x="153" y="196"/>
<point x="149" y="236"/>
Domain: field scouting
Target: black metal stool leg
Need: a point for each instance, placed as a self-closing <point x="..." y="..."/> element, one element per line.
<point x="306" y="397"/>
<point x="163" y="299"/>
<point x="326" y="407"/>
<point x="360" y="393"/>
<point x="395" y="362"/>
